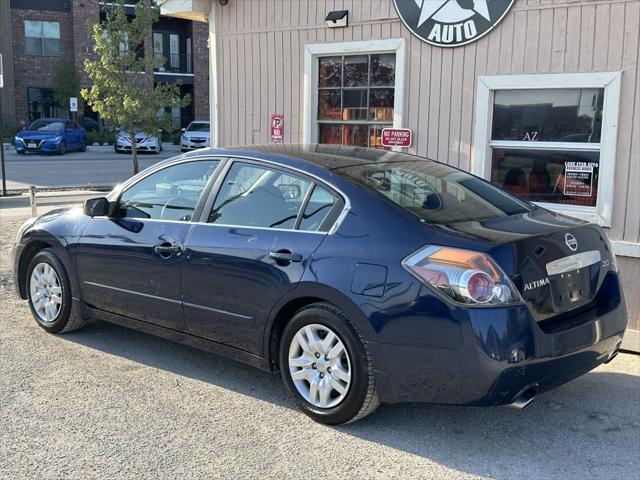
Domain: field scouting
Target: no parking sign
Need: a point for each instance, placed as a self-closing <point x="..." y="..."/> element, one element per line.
<point x="277" y="128"/>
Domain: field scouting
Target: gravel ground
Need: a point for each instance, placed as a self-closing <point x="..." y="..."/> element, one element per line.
<point x="106" y="402"/>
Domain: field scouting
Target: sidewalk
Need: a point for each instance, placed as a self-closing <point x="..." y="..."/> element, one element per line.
<point x="20" y="205"/>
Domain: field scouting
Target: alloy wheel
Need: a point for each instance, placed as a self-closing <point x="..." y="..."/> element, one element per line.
<point x="319" y="366"/>
<point x="46" y="292"/>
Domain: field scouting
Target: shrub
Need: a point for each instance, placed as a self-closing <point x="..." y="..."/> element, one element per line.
<point x="93" y="137"/>
<point x="8" y="133"/>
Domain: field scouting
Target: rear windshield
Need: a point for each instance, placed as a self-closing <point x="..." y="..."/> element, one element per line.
<point x="435" y="192"/>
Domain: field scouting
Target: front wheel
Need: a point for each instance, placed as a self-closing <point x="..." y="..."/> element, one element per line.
<point x="83" y="146"/>
<point x="49" y="294"/>
<point x="63" y="148"/>
<point x="326" y="366"/>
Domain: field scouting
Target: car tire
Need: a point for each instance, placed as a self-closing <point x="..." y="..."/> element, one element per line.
<point x="54" y="283"/>
<point x="63" y="148"/>
<point x="20" y="152"/>
<point x="358" y="397"/>
<point x="83" y="146"/>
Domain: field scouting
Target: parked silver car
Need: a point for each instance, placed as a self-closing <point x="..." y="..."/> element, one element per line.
<point x="144" y="142"/>
<point x="196" y="135"/>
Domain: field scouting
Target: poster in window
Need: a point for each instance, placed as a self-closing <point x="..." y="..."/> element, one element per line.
<point x="578" y="179"/>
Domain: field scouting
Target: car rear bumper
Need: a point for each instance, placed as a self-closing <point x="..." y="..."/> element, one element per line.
<point x="503" y="352"/>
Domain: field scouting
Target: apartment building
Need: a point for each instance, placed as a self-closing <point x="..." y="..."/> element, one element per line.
<point x="35" y="35"/>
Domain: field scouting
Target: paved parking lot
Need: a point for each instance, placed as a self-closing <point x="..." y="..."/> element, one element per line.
<point x="98" y="166"/>
<point x="106" y="402"/>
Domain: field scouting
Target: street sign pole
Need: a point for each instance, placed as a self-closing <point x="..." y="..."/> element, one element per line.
<point x="4" y="176"/>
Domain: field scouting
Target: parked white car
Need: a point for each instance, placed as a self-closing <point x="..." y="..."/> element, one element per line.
<point x="196" y="135"/>
<point x="144" y="142"/>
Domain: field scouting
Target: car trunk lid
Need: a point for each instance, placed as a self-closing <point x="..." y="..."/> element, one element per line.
<point x="556" y="263"/>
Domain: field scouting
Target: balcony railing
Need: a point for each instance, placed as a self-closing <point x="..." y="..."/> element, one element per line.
<point x="175" y="63"/>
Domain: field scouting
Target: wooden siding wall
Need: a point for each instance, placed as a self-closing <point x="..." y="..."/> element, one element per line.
<point x="260" y="72"/>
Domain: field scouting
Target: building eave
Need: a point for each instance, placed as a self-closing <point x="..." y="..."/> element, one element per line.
<point x="196" y="10"/>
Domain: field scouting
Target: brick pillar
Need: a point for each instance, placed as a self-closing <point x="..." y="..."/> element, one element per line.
<point x="200" y="42"/>
<point x="84" y="13"/>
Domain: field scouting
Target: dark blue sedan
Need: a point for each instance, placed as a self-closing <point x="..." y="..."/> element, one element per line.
<point x="363" y="276"/>
<point x="51" y="135"/>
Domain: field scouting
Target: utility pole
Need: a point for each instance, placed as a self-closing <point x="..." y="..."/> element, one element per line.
<point x="4" y="176"/>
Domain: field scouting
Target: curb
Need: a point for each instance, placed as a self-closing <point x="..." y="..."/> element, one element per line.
<point x="48" y="197"/>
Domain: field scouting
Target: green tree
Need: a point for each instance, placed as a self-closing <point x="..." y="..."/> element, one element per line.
<point x="123" y="92"/>
<point x="66" y="82"/>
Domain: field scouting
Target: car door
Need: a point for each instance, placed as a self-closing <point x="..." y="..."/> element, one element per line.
<point x="129" y="263"/>
<point x="70" y="136"/>
<point x="256" y="236"/>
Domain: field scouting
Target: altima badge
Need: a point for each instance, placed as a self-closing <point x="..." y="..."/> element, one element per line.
<point x="571" y="242"/>
<point x="536" y="284"/>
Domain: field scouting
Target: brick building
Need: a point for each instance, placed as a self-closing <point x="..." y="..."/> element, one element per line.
<point x="38" y="34"/>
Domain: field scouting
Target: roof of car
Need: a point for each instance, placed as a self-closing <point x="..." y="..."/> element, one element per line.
<point x="330" y="157"/>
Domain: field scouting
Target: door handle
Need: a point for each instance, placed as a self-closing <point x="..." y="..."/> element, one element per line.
<point x="285" y="256"/>
<point x="166" y="250"/>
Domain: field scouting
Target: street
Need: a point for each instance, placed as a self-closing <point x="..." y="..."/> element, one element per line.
<point x="98" y="166"/>
<point x="107" y="402"/>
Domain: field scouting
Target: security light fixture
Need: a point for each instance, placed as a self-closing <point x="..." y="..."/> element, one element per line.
<point x="337" y="19"/>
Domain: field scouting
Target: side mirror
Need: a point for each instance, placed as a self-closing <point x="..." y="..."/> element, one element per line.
<point x="96" y="207"/>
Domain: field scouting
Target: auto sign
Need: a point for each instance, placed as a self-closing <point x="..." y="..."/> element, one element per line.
<point x="450" y="23"/>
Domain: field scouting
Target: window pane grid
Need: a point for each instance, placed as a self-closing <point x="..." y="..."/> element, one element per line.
<point x="42" y="38"/>
<point x="355" y="101"/>
<point x="545" y="144"/>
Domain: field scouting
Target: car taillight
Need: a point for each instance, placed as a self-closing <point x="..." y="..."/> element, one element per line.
<point x="462" y="275"/>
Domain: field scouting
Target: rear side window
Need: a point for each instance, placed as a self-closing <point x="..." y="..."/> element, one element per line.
<point x="435" y="192"/>
<point x="256" y="196"/>
<point x="320" y="206"/>
<point x="168" y="194"/>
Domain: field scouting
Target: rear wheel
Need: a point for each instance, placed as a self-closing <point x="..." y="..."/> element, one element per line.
<point x="326" y="366"/>
<point x="49" y="293"/>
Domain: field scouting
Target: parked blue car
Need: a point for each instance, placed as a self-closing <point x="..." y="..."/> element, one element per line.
<point x="363" y="276"/>
<point x="51" y="135"/>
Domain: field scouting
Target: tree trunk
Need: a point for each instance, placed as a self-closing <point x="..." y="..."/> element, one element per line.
<point x="134" y="155"/>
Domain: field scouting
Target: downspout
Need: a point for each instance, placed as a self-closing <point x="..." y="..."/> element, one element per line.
<point x="214" y="124"/>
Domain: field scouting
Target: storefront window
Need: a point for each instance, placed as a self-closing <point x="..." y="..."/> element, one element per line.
<point x="42" y="104"/>
<point x="545" y="144"/>
<point x="42" y="38"/>
<point x="356" y="95"/>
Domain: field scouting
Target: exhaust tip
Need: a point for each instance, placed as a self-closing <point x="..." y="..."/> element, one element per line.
<point x="524" y="398"/>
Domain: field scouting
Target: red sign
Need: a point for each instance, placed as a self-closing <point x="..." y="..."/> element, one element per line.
<point x="277" y="128"/>
<point x="396" y="137"/>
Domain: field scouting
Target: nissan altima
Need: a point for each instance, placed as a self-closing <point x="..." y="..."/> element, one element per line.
<point x="362" y="276"/>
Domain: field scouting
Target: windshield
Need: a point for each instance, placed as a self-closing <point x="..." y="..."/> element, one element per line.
<point x="435" y="192"/>
<point x="198" y="127"/>
<point x="44" y="125"/>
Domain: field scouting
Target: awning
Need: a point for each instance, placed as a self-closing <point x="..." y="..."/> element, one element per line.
<point x="197" y="10"/>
